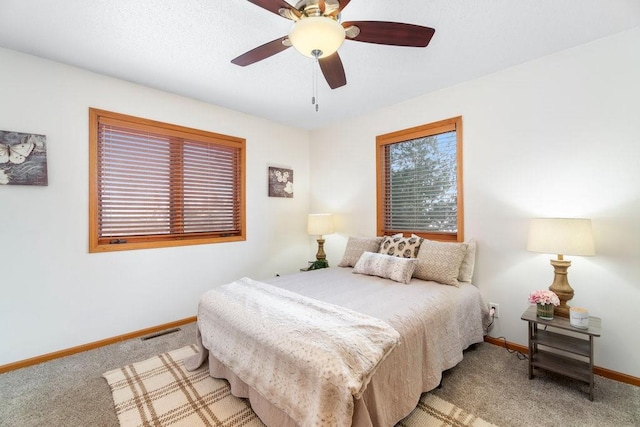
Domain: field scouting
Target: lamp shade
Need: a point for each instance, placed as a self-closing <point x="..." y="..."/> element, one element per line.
<point x="562" y="236"/>
<point x="320" y="224"/>
<point x="317" y="33"/>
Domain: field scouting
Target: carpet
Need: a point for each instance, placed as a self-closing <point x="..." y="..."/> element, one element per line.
<point x="161" y="392"/>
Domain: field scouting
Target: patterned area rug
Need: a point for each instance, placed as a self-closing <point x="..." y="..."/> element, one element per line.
<point x="160" y="392"/>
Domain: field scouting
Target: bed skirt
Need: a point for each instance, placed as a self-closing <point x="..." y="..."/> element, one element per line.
<point x="268" y="413"/>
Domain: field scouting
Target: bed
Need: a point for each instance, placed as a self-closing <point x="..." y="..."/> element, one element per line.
<point x="435" y="323"/>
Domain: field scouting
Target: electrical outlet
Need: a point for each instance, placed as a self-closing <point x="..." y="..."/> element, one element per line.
<point x="496" y="308"/>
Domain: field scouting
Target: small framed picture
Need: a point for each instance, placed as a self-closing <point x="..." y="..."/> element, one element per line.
<point x="280" y="182"/>
<point x="23" y="158"/>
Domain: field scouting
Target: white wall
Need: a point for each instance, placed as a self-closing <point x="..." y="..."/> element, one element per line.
<point x="559" y="136"/>
<point x="53" y="293"/>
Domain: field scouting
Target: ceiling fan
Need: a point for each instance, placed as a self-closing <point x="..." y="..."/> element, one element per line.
<point x="318" y="33"/>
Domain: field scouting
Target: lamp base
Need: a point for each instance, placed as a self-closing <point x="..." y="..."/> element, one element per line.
<point x="562" y="311"/>
<point x="321" y="256"/>
<point x="561" y="287"/>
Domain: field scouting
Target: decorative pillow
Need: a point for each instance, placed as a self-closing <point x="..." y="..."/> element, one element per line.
<point x="386" y="266"/>
<point x="396" y="245"/>
<point x="468" y="263"/>
<point x="356" y="246"/>
<point x="440" y="262"/>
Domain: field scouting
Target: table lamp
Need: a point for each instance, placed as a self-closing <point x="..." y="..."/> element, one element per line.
<point x="319" y="225"/>
<point x="561" y="236"/>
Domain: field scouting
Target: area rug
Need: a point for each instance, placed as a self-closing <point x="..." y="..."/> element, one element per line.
<point x="161" y="392"/>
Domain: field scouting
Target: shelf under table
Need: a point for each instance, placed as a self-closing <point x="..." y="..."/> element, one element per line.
<point x="569" y="367"/>
<point x="562" y="342"/>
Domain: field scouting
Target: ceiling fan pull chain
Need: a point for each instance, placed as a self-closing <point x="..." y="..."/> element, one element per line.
<point x="313" y="82"/>
<point x="316" y="65"/>
<point x="315" y="85"/>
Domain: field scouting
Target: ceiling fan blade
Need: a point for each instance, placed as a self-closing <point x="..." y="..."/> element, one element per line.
<point x="275" y="6"/>
<point x="262" y="52"/>
<point x="333" y="70"/>
<point x="391" y="33"/>
<point x="343" y="4"/>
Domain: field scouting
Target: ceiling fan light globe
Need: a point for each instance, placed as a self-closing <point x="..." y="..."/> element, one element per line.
<point x="317" y="33"/>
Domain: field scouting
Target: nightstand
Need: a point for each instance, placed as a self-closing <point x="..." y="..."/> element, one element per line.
<point x="559" y="352"/>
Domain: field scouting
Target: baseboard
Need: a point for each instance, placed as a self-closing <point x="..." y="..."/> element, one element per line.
<point x="96" y="344"/>
<point x="603" y="372"/>
<point x="506" y="344"/>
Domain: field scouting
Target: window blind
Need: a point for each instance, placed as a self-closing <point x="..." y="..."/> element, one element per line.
<point x="154" y="184"/>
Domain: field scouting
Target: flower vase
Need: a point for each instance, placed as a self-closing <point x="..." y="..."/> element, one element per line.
<point x="545" y="311"/>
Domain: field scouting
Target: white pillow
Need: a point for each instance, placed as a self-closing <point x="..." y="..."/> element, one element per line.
<point x="468" y="263"/>
<point x="440" y="261"/>
<point x="386" y="266"/>
<point x="356" y="246"/>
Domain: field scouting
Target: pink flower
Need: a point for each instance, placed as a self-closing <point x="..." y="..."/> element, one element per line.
<point x="544" y="297"/>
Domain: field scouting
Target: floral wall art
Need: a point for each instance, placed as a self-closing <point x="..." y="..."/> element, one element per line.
<point x="280" y="182"/>
<point x="23" y="158"/>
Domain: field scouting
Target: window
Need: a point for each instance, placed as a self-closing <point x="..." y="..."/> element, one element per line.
<point x="419" y="181"/>
<point x="154" y="184"/>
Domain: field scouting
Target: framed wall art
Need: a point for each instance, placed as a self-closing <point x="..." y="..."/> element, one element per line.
<point x="280" y="182"/>
<point x="23" y="158"/>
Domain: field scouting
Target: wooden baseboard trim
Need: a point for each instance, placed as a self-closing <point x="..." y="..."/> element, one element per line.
<point x="505" y="344"/>
<point x="603" y="372"/>
<point x="617" y="376"/>
<point x="90" y="346"/>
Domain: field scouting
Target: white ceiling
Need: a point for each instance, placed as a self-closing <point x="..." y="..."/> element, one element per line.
<point x="186" y="46"/>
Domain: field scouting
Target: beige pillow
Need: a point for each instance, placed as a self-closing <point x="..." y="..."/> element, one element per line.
<point x="440" y="261"/>
<point x="386" y="266"/>
<point x="396" y="245"/>
<point x="356" y="246"/>
<point x="468" y="263"/>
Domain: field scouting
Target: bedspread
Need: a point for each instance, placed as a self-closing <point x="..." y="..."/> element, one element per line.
<point x="308" y="357"/>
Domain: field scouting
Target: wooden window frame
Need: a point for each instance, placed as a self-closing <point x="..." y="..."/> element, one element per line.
<point x="177" y="133"/>
<point x="430" y="129"/>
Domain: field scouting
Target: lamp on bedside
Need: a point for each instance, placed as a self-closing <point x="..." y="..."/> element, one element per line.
<point x="562" y="236"/>
<point x="319" y="225"/>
